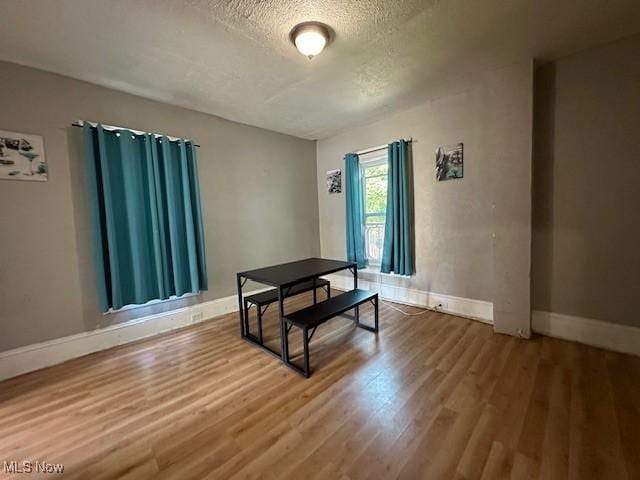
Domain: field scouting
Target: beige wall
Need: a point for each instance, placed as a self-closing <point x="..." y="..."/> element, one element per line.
<point x="472" y="236"/>
<point x="586" y="255"/>
<point x="255" y="185"/>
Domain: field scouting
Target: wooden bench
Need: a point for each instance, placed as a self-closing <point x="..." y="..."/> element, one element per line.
<point x="264" y="299"/>
<point x="311" y="317"/>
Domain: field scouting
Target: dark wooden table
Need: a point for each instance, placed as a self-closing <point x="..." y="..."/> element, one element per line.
<point x="283" y="277"/>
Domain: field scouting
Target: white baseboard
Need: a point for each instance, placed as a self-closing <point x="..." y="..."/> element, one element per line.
<point x="611" y="336"/>
<point x="463" y="307"/>
<point x="34" y="357"/>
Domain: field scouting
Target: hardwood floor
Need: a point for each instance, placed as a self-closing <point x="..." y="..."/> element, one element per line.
<point x="434" y="396"/>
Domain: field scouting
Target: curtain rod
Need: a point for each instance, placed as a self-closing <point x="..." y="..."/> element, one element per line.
<point x="379" y="147"/>
<point x="80" y="123"/>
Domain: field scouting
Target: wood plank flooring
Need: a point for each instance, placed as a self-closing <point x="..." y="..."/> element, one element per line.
<point x="434" y="396"/>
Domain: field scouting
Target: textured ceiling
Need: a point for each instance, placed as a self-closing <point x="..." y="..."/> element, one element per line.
<point x="233" y="58"/>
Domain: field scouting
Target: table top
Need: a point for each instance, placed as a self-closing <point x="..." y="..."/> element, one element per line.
<point x="287" y="274"/>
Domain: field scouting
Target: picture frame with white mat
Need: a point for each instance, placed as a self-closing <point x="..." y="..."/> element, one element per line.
<point x="22" y="157"/>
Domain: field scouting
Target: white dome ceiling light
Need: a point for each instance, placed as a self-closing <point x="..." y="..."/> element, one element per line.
<point x="310" y="38"/>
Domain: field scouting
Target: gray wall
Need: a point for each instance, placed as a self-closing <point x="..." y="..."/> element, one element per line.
<point x="586" y="260"/>
<point x="255" y="185"/>
<point x="472" y="236"/>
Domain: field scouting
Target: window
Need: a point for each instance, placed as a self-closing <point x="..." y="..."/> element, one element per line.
<point x="374" y="178"/>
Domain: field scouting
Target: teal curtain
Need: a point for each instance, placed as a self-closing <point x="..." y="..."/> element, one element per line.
<point x="354" y="210"/>
<point x="397" y="250"/>
<point x="146" y="216"/>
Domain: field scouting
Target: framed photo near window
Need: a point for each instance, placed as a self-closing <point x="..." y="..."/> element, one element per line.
<point x="450" y="162"/>
<point x="334" y="181"/>
<point x="22" y="157"/>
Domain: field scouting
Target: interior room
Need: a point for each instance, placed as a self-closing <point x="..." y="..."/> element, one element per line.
<point x="348" y="239"/>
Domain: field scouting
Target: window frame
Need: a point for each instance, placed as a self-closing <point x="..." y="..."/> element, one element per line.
<point x="380" y="158"/>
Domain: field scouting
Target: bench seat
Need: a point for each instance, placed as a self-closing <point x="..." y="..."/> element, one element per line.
<point x="314" y="315"/>
<point x="308" y="319"/>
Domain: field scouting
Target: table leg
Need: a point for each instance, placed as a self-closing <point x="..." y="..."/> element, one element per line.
<point x="315" y="293"/>
<point x="355" y="285"/>
<point x="240" y="306"/>
<point x="284" y="350"/>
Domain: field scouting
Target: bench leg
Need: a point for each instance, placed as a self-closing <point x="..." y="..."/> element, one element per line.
<point x="285" y="332"/>
<point x="305" y="371"/>
<point x="376" y="314"/>
<point x="259" y="313"/>
<point x="364" y="326"/>
<point x="305" y="339"/>
<point x="315" y="294"/>
<point x="329" y="291"/>
<point x="284" y="346"/>
<point x="246" y="318"/>
<point x="355" y="285"/>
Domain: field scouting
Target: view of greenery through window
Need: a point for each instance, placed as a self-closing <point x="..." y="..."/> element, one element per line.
<point x="375" y="207"/>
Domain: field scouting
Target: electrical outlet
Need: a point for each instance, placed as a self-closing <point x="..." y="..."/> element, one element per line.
<point x="442" y="306"/>
<point x="197" y="317"/>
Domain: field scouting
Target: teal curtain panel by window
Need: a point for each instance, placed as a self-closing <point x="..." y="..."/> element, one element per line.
<point x="397" y="249"/>
<point x="146" y="216"/>
<point x="354" y="211"/>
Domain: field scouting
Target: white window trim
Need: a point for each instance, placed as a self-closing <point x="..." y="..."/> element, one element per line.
<point x="370" y="159"/>
<point x="375" y="269"/>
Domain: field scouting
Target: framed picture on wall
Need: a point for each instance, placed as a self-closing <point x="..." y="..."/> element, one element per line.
<point x="334" y="181"/>
<point x="22" y="157"/>
<point x="450" y="162"/>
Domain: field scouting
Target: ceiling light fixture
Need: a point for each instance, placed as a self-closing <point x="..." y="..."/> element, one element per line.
<point x="310" y="38"/>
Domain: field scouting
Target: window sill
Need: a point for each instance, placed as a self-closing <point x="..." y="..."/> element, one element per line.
<point x="375" y="269"/>
<point x="173" y="298"/>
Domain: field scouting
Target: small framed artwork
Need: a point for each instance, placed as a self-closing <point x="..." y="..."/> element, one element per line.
<point x="450" y="162"/>
<point x="334" y="181"/>
<point x="22" y="157"/>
